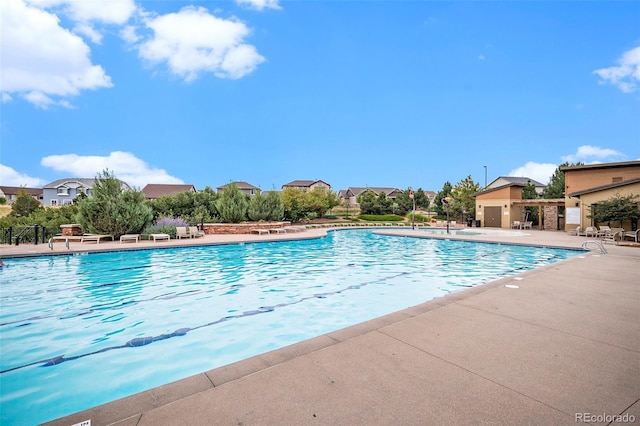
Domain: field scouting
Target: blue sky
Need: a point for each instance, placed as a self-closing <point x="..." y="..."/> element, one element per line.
<point x="355" y="93"/>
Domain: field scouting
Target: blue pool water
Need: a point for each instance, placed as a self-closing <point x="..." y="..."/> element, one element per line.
<point x="79" y="331"/>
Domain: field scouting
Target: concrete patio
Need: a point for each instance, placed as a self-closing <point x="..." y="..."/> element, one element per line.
<point x="563" y="347"/>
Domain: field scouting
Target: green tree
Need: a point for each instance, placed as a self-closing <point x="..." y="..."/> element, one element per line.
<point x="529" y="193"/>
<point x="616" y="209"/>
<point x="296" y="207"/>
<point x="274" y="206"/>
<point x="422" y="200"/>
<point x="113" y="210"/>
<point x="463" y="203"/>
<point x="444" y="192"/>
<point x="368" y="202"/>
<point x="555" y="187"/>
<point x="24" y="204"/>
<point x="258" y="209"/>
<point x="384" y="204"/>
<point x="232" y="204"/>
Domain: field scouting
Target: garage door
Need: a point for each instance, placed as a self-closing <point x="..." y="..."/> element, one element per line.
<point x="493" y="217"/>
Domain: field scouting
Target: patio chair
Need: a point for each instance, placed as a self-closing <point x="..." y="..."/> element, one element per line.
<point x="515" y="224"/>
<point x="577" y="231"/>
<point x="603" y="230"/>
<point x="181" y="232"/>
<point x="591" y="231"/>
<point x="194" y="232"/>
<point x="631" y="234"/>
<point x="613" y="235"/>
<point x="527" y="225"/>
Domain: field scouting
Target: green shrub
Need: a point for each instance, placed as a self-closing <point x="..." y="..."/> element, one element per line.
<point x="419" y="217"/>
<point x="381" y="217"/>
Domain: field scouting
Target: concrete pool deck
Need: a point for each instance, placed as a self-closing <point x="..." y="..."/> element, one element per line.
<point x="562" y="346"/>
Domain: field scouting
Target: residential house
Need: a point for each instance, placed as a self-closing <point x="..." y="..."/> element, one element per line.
<point x="157" y="190"/>
<point x="245" y="187"/>
<point x="350" y="195"/>
<point x="11" y="192"/>
<point x="501" y="181"/>
<point x="63" y="191"/>
<point x="307" y="185"/>
<point x="586" y="185"/>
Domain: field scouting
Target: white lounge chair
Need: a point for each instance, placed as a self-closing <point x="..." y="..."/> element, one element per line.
<point x="129" y="237"/>
<point x="181" y="232"/>
<point x="631" y="234"/>
<point x="194" y="232"/>
<point x="613" y="235"/>
<point x="591" y="231"/>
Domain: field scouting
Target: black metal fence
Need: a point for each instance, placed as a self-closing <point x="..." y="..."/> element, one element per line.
<point x="34" y="234"/>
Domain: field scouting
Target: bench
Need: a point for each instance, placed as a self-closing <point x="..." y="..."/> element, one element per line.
<point x="94" y="237"/>
<point x="129" y="237"/>
<point x="260" y="231"/>
<point x="277" y="230"/>
<point x="156" y="237"/>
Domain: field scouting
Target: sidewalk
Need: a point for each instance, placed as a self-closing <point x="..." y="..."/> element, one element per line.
<point x="564" y="345"/>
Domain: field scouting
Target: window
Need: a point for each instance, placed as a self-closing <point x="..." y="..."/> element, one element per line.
<point x="63" y="191"/>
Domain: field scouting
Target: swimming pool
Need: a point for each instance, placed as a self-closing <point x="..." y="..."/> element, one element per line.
<point x="79" y="331"/>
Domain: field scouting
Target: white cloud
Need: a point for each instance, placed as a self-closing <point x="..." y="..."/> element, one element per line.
<point x="591" y="154"/>
<point x="627" y="75"/>
<point x="10" y="177"/>
<point x="541" y="172"/>
<point x="109" y="12"/>
<point x="124" y="165"/>
<point x="481" y="57"/>
<point x="259" y="4"/>
<point x="89" y="32"/>
<point x="128" y="34"/>
<point x="41" y="61"/>
<point x="193" y="41"/>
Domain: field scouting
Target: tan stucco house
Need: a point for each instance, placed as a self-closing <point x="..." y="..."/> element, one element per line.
<point x="585" y="185"/>
<point x="307" y="185"/>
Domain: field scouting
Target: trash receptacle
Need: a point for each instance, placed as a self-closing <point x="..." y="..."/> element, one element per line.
<point x="478" y="223"/>
<point x="469" y="223"/>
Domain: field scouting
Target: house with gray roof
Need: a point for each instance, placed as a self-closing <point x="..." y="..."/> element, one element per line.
<point x="307" y="185"/>
<point x="63" y="191"/>
<point x="245" y="187"/>
<point x="513" y="180"/>
<point x="351" y="194"/>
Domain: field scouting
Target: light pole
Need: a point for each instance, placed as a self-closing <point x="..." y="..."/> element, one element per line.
<point x="446" y="201"/>
<point x="485" y="176"/>
<point x="413" y="215"/>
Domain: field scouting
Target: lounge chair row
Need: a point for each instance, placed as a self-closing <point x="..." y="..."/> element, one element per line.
<point x="266" y="231"/>
<point x="606" y="233"/>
